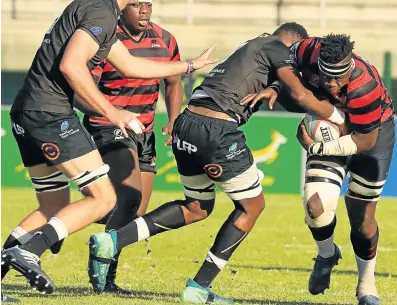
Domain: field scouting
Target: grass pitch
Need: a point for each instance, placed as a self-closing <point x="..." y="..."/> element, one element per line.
<point x="271" y="266"/>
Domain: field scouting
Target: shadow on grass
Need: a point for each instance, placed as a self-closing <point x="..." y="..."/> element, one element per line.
<point x="335" y="271"/>
<point x="22" y="291"/>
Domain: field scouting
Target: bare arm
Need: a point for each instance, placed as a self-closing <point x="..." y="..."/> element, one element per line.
<point x="138" y="67"/>
<point x="290" y="78"/>
<point x="80" y="49"/>
<point x="84" y="107"/>
<point x="173" y="100"/>
<point x="173" y="96"/>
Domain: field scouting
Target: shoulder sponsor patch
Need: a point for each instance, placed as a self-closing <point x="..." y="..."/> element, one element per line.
<point x="96" y="30"/>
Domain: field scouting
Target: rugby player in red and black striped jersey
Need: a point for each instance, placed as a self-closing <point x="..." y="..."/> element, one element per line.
<point x="132" y="159"/>
<point x="329" y="64"/>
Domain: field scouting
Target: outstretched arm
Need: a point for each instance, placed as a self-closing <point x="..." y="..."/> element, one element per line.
<point x="137" y="67"/>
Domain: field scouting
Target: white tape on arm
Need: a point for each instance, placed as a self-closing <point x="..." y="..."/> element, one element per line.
<point x="344" y="146"/>
<point x="337" y="117"/>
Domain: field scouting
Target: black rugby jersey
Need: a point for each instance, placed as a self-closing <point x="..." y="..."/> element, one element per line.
<point x="45" y="88"/>
<point x="249" y="69"/>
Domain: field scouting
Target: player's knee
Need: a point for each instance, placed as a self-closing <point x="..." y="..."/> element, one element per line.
<point x="200" y="208"/>
<point x="96" y="184"/>
<point x="321" y="193"/>
<point x="363" y="189"/>
<point x="128" y="199"/>
<point x="363" y="227"/>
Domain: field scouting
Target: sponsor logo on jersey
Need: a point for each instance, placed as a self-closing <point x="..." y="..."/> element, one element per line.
<point x="96" y="30"/>
<point x="291" y="59"/>
<point x="155" y="44"/>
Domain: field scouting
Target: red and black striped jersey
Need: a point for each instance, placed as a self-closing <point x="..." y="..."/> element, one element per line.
<point x="365" y="96"/>
<point x="136" y="95"/>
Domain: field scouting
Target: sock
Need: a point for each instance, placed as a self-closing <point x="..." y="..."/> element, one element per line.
<point x="226" y="242"/>
<point x="111" y="277"/>
<point x="52" y="232"/>
<point x="324" y="238"/>
<point x="366" y="277"/>
<point x="17" y="237"/>
<point x="365" y="252"/>
<point x="326" y="248"/>
<point x="166" y="217"/>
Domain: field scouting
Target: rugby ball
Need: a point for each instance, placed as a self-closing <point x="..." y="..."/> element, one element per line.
<point x="320" y="129"/>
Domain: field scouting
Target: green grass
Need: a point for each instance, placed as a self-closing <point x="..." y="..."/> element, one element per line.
<point x="272" y="265"/>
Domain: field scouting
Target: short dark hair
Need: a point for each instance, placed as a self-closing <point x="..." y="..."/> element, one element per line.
<point x="335" y="48"/>
<point x="294" y="28"/>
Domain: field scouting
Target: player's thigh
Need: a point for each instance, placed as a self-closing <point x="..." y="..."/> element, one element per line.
<point x="121" y="154"/>
<point x="190" y="144"/>
<point x="323" y="180"/>
<point x="68" y="146"/>
<point x="51" y="186"/>
<point x="369" y="169"/>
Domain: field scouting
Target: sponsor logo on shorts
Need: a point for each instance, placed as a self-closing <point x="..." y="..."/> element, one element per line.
<point x="233" y="147"/>
<point x="118" y="134"/>
<point x="233" y="151"/>
<point x="18" y="129"/>
<point x="96" y="30"/>
<point x="213" y="170"/>
<point x="183" y="145"/>
<point x="315" y="80"/>
<point x="64" y="126"/>
<point x="51" y="151"/>
<point x="65" y="131"/>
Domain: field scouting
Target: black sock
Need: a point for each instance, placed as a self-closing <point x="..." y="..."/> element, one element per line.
<point x="10" y="242"/>
<point x="365" y="248"/>
<point x="325" y="232"/>
<point x="166" y="217"/>
<point x="111" y="277"/>
<point x="42" y="240"/>
<point x="226" y="242"/>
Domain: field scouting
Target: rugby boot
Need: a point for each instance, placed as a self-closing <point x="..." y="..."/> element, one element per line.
<point x="56" y="248"/>
<point x="368" y="300"/>
<point x="28" y="264"/>
<point x="196" y="294"/>
<point x="6" y="299"/>
<point x="321" y="274"/>
<point x="102" y="249"/>
<point x="111" y="286"/>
